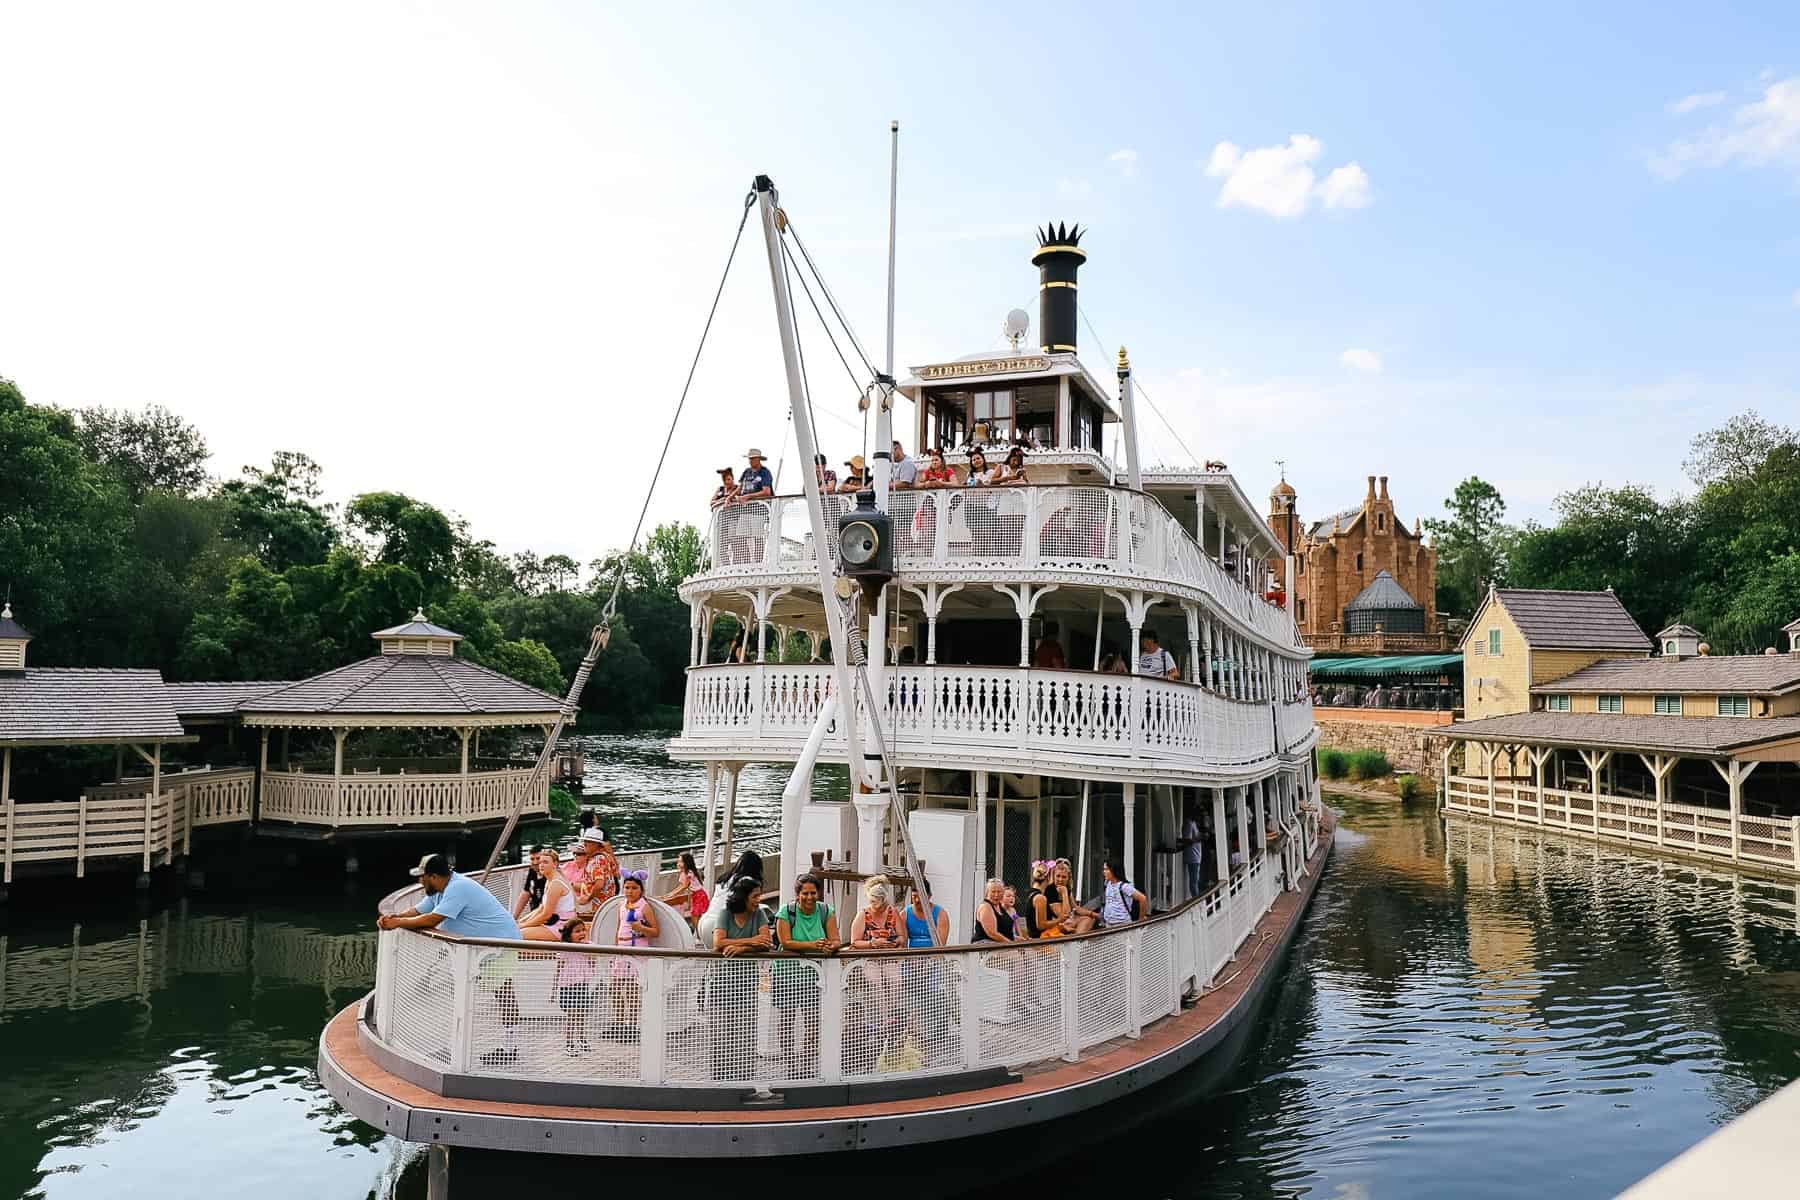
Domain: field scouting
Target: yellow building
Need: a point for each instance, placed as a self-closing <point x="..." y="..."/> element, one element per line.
<point x="1685" y="752"/>
<point x="1522" y="637"/>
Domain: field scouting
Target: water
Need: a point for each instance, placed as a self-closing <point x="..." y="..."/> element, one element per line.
<point x="1466" y="1012"/>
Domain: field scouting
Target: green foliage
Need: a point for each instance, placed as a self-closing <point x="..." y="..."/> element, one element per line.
<point x="1334" y="764"/>
<point x="1369" y="764"/>
<point x="1623" y="538"/>
<point x="1408" y="787"/>
<point x="563" y="806"/>
<point x="276" y="515"/>
<point x="153" y="450"/>
<point x="1472" y="545"/>
<point x="408" y="533"/>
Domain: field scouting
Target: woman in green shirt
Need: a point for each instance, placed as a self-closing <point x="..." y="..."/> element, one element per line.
<point x="807" y="926"/>
<point x="731" y="986"/>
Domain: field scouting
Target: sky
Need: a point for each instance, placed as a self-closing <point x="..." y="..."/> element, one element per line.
<point x="465" y="251"/>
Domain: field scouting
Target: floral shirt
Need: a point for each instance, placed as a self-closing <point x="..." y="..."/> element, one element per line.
<point x="595" y="884"/>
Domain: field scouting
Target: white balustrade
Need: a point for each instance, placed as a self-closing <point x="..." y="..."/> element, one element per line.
<point x="396" y="799"/>
<point x="1688" y="829"/>
<point x="703" y="1020"/>
<point x="1089" y="714"/>
<point x="1122" y="537"/>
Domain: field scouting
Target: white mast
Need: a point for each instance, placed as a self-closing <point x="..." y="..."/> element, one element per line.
<point x="884" y="388"/>
<point x="843" y="685"/>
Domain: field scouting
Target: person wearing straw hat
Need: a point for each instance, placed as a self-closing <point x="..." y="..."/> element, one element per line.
<point x="858" y="478"/>
<point x="756" y="483"/>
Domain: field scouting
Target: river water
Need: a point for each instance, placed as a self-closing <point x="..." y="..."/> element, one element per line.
<point x="1467" y="1011"/>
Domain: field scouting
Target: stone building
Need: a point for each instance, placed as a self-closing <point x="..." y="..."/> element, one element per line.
<point x="1363" y="581"/>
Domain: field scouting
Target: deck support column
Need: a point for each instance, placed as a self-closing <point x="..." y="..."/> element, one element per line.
<point x="1221" y="847"/>
<point x="6" y="806"/>
<point x="1025" y="599"/>
<point x="1130" y="803"/>
<point x="932" y="597"/>
<point x="1000" y="826"/>
<point x="712" y="816"/>
<point x="1192" y="612"/>
<point x="462" y="782"/>
<point x="1734" y="772"/>
<point x="1081" y="839"/>
<point x="437" y="1172"/>
<point x="1660" y="766"/>
<point x="1243" y="823"/>
<point x="1538" y="758"/>
<point x="981" y="822"/>
<point x="337" y="776"/>
<point x="731" y="784"/>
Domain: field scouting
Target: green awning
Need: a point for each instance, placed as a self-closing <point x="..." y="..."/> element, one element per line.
<point x="1393" y="666"/>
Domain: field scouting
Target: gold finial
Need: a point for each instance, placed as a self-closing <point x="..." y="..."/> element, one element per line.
<point x="1124" y="363"/>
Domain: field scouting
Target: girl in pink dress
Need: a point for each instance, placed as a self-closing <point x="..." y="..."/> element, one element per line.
<point x="637" y="927"/>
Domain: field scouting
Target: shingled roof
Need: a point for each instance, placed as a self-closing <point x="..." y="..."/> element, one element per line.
<point x="52" y="705"/>
<point x="410" y="685"/>
<point x="1713" y="737"/>
<point x="1557" y="620"/>
<point x="218" y="699"/>
<point x="1758" y="674"/>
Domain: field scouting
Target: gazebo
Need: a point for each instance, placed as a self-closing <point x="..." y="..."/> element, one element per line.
<point x="415" y="682"/>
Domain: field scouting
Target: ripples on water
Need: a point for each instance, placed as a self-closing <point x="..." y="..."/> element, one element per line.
<point x="1468" y="1011"/>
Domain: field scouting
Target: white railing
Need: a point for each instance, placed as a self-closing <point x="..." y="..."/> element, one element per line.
<point x="1295" y="719"/>
<point x="702" y="1020"/>
<point x="930" y="709"/>
<point x="397" y="799"/>
<point x="1687" y="829"/>
<point x="1120" y="536"/>
<point x="122" y="820"/>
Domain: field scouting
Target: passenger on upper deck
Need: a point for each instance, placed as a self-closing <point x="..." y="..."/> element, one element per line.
<point x="936" y="474"/>
<point x="727" y="488"/>
<point x="550" y="898"/>
<point x="980" y="474"/>
<point x="756" y="483"/>
<point x="905" y="471"/>
<point x="1154" y="660"/>
<point x="1013" y="469"/>
<point x="858" y="478"/>
<point x="1048" y="653"/>
<point x="1111" y="661"/>
<point x="827" y="478"/>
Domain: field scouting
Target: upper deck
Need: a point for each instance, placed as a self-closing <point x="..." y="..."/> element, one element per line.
<point x="1095" y="535"/>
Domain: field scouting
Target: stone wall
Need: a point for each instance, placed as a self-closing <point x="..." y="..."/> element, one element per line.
<point x="1413" y="748"/>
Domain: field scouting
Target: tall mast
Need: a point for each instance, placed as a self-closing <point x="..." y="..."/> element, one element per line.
<point x="823" y="539"/>
<point x="884" y="387"/>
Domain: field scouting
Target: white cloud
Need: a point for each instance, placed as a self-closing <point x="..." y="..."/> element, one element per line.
<point x="1763" y="133"/>
<point x="1126" y="160"/>
<point x="1688" y="104"/>
<point x="1361" y="360"/>
<point x="1279" y="180"/>
<point x="1346" y="187"/>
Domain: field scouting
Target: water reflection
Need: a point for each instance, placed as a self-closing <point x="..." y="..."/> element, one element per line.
<point x="1469" y="1010"/>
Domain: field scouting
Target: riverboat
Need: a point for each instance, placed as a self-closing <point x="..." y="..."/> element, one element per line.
<point x="966" y="627"/>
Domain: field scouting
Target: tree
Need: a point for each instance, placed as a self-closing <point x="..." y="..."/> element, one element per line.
<point x="1623" y="538"/>
<point x="64" y="528"/>
<point x="1768" y="601"/>
<point x="561" y="570"/>
<point x="276" y="512"/>
<point x="152" y="450"/>
<point x="409" y="533"/>
<point x="1735" y="450"/>
<point x="1472" y="545"/>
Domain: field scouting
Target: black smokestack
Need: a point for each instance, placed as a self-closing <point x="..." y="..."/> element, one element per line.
<point x="1058" y="257"/>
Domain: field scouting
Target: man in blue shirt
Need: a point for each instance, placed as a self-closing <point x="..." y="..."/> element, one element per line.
<point x="756" y="483"/>
<point x="458" y="904"/>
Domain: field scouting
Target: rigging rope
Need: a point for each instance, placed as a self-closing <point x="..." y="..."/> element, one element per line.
<point x="602" y="632"/>
<point x="1139" y="385"/>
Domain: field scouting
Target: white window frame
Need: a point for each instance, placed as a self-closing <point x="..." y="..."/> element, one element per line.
<point x="1493" y="642"/>
<point x="1734" y="706"/>
<point x="1556" y="703"/>
<point x="1613" y="703"/>
<point x="1666" y="706"/>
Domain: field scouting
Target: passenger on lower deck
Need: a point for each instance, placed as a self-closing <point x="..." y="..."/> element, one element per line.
<point x="993" y="916"/>
<point x="1122" y="903"/>
<point x="1076" y="917"/>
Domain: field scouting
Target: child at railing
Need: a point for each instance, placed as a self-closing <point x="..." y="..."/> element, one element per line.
<point x="575" y="989"/>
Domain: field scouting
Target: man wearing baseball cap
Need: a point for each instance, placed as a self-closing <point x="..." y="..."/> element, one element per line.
<point x="453" y="903"/>
<point x="457" y="904"/>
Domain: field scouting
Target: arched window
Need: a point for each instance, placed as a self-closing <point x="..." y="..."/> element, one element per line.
<point x="1380" y="522"/>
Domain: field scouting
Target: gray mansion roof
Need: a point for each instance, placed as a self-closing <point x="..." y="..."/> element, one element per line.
<point x="1383" y="592"/>
<point x="1768" y="674"/>
<point x="1704" y="736"/>
<point x="41" y="705"/>
<point x="1557" y="620"/>
<point x="406" y="685"/>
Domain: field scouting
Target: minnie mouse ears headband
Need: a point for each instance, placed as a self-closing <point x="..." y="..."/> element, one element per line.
<point x="639" y="877"/>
